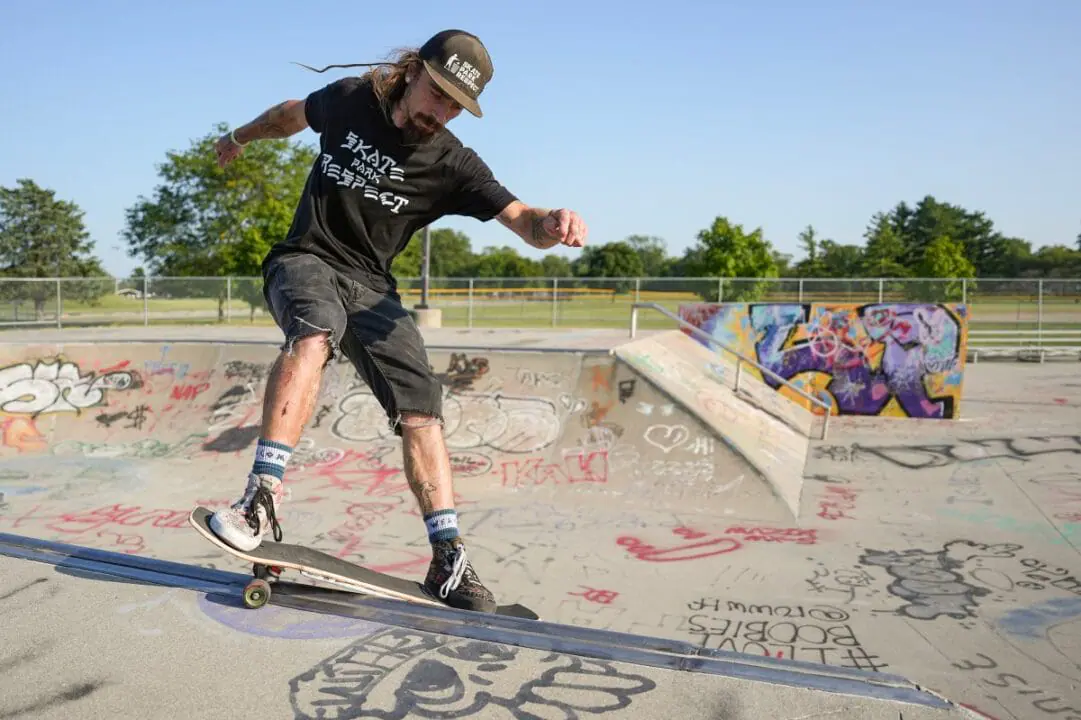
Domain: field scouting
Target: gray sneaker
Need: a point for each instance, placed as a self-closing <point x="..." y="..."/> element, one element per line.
<point x="243" y="525"/>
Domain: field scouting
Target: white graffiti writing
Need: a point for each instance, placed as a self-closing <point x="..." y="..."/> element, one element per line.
<point x="55" y="387"/>
<point x="472" y="420"/>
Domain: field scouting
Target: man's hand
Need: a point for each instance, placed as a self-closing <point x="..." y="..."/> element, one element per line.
<point x="227" y="150"/>
<point x="543" y="228"/>
<point x="566" y="227"/>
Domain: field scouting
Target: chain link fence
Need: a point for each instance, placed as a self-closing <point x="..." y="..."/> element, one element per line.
<point x="1024" y="304"/>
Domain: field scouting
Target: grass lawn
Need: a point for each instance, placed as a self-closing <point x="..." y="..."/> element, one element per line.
<point x="599" y="310"/>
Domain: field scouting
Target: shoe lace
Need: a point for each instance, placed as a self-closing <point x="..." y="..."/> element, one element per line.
<point x="262" y="497"/>
<point x="457" y="571"/>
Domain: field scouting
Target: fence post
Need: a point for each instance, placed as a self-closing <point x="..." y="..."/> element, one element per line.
<point x="880" y="283"/>
<point x="555" y="300"/>
<point x="720" y="289"/>
<point x="59" y="304"/>
<point x="1039" y="314"/>
<point x="964" y="291"/>
<point x="470" y="304"/>
<point x="146" y="309"/>
<point x="638" y="289"/>
<point x="228" y="297"/>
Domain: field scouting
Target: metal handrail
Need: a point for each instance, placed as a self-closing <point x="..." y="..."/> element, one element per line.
<point x="740" y="359"/>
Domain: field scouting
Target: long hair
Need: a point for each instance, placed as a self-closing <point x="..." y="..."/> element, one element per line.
<point x="388" y="77"/>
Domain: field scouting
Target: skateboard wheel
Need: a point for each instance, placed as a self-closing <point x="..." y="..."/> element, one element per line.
<point x="257" y="593"/>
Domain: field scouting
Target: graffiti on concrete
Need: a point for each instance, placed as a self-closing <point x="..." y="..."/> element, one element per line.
<point x="472" y="421"/>
<point x="401" y="673"/>
<point x="931" y="582"/>
<point x="58" y="386"/>
<point x="882" y="359"/>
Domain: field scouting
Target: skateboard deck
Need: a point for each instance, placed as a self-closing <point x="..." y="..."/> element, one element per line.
<point x="321" y="566"/>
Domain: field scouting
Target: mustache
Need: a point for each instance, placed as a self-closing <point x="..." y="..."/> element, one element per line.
<point x="428" y="120"/>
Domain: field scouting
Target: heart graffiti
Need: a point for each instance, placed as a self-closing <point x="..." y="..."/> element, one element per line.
<point x="667" y="437"/>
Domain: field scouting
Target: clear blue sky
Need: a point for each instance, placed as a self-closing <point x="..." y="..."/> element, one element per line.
<point x="646" y="118"/>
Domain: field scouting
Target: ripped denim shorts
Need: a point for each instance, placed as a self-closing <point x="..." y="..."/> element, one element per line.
<point x="307" y="296"/>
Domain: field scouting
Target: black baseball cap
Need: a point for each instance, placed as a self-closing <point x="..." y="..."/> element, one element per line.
<point x="460" y="65"/>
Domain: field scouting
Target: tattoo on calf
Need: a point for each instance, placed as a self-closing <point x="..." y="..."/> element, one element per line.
<point x="424" y="492"/>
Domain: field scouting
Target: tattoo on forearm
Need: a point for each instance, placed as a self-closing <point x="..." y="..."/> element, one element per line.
<point x="271" y="124"/>
<point x="536" y="225"/>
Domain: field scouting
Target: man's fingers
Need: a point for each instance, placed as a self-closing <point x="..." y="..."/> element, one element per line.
<point x="564" y="224"/>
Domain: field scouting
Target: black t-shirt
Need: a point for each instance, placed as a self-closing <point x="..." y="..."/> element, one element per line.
<point x="368" y="193"/>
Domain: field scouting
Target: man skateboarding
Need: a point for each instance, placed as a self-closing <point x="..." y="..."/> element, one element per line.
<point x="388" y="166"/>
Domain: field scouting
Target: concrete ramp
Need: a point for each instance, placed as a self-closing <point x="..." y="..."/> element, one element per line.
<point x="762" y="432"/>
<point x="560" y="427"/>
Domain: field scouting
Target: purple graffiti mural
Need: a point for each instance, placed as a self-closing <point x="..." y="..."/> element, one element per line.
<point x="872" y="354"/>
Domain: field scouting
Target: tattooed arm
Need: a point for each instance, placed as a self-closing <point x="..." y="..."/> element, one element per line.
<point x="543" y="228"/>
<point x="280" y="121"/>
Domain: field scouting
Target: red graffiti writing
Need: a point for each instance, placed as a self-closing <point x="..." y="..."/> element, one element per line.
<point x="710" y="547"/>
<point x="355" y="471"/>
<point x="838" y="500"/>
<point x="799" y="536"/>
<point x="119" y="515"/>
<point x="584" y="466"/>
<point x="593" y="595"/>
<point x="188" y="392"/>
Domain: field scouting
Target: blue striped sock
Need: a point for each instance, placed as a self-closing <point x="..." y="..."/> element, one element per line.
<point x="442" y="525"/>
<point x="271" y="458"/>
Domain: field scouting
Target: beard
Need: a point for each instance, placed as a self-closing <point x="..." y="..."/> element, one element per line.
<point x="420" y="128"/>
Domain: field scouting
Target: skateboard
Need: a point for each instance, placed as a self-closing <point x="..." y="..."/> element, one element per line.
<point x="271" y="558"/>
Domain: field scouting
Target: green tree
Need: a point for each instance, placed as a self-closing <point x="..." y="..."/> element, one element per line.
<point x="811" y="265"/>
<point x="42" y="237"/>
<point x="611" y="260"/>
<point x="1008" y="257"/>
<point x="503" y="262"/>
<point x="652" y="252"/>
<point x="452" y="255"/>
<point x="944" y="258"/>
<point x="1056" y="261"/>
<point x="725" y="249"/>
<point x="884" y="251"/>
<point x="555" y="266"/>
<point x="840" y="261"/>
<point x="783" y="262"/>
<point x="209" y="221"/>
<point x="614" y="259"/>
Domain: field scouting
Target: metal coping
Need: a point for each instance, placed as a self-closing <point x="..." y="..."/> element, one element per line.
<point x="531" y="634"/>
